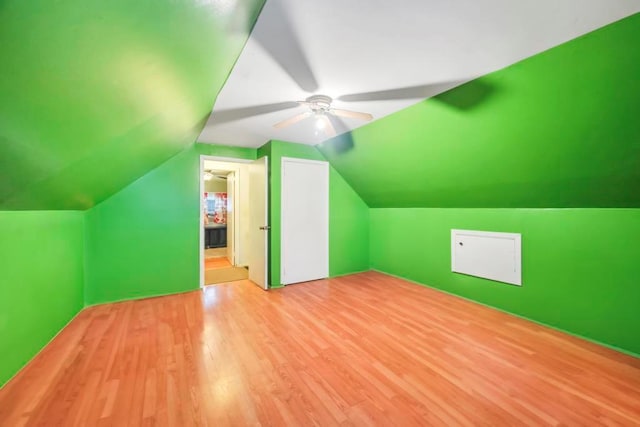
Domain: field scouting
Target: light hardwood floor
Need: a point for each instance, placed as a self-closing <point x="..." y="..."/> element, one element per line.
<point x="365" y="349"/>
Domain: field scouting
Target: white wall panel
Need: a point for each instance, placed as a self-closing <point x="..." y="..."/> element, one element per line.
<point x="490" y="255"/>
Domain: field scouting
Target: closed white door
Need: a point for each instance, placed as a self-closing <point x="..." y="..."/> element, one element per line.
<point x="258" y="222"/>
<point x="305" y="220"/>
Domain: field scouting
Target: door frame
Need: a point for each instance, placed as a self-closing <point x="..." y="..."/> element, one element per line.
<point x="325" y="163"/>
<point x="232" y="187"/>
<point x="204" y="157"/>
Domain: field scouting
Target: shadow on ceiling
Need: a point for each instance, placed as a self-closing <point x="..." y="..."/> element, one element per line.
<point x="277" y="35"/>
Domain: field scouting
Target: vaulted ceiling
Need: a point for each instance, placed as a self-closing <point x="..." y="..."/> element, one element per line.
<point x="559" y="129"/>
<point x="380" y="57"/>
<point x="94" y="94"/>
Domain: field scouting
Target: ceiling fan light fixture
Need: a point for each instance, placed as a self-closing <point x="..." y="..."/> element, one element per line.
<point x="319" y="103"/>
<point x="319" y="106"/>
<point x="320" y="123"/>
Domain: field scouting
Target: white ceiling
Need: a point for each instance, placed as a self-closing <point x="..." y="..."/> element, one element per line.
<point x="340" y="47"/>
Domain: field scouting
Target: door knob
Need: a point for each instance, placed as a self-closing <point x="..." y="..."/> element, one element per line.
<point x="265" y="227"/>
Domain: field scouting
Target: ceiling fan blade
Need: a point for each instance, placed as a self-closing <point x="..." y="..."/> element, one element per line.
<point x="411" y="92"/>
<point x="276" y="34"/>
<point x="328" y="126"/>
<point x="468" y="95"/>
<point x="233" y="114"/>
<point x="292" y="120"/>
<point x="351" y="114"/>
<point x="461" y="94"/>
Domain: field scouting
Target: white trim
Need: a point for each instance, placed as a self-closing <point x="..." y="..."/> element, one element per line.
<point x="297" y="160"/>
<point x="204" y="158"/>
<point x="283" y="160"/>
<point x="224" y="159"/>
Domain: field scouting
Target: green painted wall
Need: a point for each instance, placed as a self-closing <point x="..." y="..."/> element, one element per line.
<point x="97" y="93"/>
<point x="579" y="266"/>
<point x="348" y="228"/>
<point x="559" y="129"/>
<point x="348" y="214"/>
<point x="144" y="241"/>
<point x="40" y="281"/>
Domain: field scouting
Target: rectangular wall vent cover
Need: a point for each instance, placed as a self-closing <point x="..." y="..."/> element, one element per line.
<point x="490" y="255"/>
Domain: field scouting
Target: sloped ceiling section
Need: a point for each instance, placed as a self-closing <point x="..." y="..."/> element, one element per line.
<point x="559" y="129"/>
<point x="96" y="93"/>
<point x="381" y="56"/>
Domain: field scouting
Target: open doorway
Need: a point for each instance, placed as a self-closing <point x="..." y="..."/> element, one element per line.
<point x="223" y="224"/>
<point x="233" y="204"/>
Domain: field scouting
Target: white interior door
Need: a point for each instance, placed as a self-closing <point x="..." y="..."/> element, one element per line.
<point x="242" y="216"/>
<point x="258" y="222"/>
<point x="305" y="220"/>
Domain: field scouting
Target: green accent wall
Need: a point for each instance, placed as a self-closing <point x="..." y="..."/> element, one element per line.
<point x="144" y="241"/>
<point x="97" y="93"/>
<point x="348" y="228"/>
<point x="40" y="281"/>
<point x="559" y="129"/>
<point x="579" y="266"/>
<point x="348" y="214"/>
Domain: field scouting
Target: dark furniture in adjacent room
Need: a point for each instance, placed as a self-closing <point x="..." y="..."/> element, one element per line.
<point x="215" y="236"/>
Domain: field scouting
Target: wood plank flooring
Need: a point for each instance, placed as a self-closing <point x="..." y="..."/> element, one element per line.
<point x="366" y="349"/>
<point x="218" y="262"/>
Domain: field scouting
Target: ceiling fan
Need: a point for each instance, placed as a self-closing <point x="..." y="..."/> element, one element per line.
<point x="320" y="107"/>
<point x="277" y="36"/>
<point x="209" y="174"/>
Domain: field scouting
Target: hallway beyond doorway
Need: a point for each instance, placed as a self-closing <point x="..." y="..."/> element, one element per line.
<point x="218" y="269"/>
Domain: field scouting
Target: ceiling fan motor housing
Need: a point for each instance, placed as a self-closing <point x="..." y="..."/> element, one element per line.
<point x="319" y="103"/>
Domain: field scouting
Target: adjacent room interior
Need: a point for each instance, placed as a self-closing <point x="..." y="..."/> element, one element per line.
<point x="275" y="212"/>
<point x="225" y="221"/>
